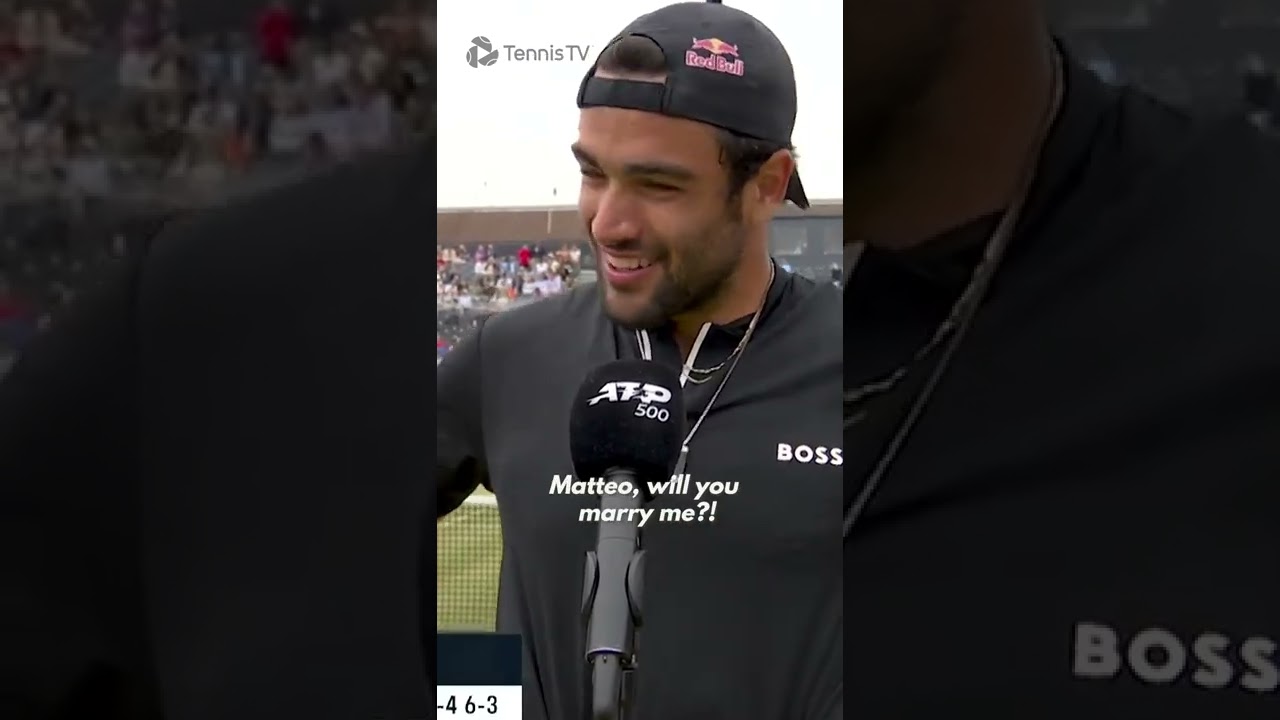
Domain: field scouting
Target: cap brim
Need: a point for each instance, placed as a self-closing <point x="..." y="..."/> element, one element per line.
<point x="795" y="191"/>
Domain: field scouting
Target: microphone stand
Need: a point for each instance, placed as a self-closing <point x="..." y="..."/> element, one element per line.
<point x="611" y="589"/>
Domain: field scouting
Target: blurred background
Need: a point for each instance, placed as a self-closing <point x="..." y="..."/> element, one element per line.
<point x="1220" y="55"/>
<point x="115" y="114"/>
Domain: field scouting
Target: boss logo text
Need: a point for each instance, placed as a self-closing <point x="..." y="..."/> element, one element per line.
<point x="1157" y="656"/>
<point x="816" y="454"/>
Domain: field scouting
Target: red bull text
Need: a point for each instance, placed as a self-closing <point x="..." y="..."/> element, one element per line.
<point x="721" y="57"/>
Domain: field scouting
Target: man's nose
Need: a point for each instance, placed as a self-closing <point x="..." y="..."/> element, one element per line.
<point x="616" y="219"/>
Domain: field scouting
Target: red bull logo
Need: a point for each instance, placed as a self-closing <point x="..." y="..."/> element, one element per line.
<point x="715" y="55"/>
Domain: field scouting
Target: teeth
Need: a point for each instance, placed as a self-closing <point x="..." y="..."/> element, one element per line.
<point x="628" y="263"/>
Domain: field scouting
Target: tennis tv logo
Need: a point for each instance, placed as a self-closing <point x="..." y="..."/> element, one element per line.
<point x="481" y="53"/>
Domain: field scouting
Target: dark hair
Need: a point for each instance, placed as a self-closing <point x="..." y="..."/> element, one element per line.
<point x="742" y="156"/>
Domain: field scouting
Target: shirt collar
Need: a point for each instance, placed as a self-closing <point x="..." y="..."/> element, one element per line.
<point x="721" y="338"/>
<point x="782" y="281"/>
<point x="1087" y="102"/>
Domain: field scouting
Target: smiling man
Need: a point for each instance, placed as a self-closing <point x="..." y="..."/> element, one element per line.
<point x="684" y="141"/>
<point x="706" y="254"/>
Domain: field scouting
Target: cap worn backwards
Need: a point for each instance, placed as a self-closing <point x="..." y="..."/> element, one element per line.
<point x="724" y="68"/>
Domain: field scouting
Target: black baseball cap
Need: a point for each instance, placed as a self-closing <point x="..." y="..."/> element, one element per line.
<point x="724" y="68"/>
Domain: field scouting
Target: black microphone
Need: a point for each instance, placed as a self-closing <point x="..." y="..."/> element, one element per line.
<point x="626" y="429"/>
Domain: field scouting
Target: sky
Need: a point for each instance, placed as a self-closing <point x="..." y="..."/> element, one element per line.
<point x="505" y="130"/>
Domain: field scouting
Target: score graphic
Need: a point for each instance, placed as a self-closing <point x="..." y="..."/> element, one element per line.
<point x="479" y="676"/>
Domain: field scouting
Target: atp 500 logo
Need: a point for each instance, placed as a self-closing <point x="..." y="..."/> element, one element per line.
<point x="649" y="395"/>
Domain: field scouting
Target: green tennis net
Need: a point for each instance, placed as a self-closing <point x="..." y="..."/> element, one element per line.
<point x="468" y="560"/>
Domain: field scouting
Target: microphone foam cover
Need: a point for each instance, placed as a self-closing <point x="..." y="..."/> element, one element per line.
<point x="627" y="414"/>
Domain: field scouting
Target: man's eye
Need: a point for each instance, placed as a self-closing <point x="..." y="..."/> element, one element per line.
<point x="661" y="187"/>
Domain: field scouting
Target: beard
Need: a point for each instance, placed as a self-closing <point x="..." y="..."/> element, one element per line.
<point x="691" y="276"/>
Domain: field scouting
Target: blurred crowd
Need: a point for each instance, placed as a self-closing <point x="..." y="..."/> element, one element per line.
<point x="1223" y="56"/>
<point x="1251" y="87"/>
<point x="102" y="106"/>
<point x="47" y="260"/>
<point x="110" y="120"/>
<point x="481" y="275"/>
<point x="476" y="280"/>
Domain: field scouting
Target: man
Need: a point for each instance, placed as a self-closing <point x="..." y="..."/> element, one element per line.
<point x="212" y="502"/>
<point x="685" y="152"/>
<point x="1063" y="473"/>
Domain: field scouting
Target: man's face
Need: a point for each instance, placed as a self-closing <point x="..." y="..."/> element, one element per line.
<point x="655" y="200"/>
<point x="893" y="52"/>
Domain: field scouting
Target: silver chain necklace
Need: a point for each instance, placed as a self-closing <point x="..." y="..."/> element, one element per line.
<point x="976" y="288"/>
<point x="698" y="376"/>
<point x="646" y="352"/>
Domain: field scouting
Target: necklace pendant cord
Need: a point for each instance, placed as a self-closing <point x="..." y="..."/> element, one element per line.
<point x="686" y="375"/>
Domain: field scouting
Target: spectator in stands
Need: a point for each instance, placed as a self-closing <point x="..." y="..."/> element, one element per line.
<point x="330" y="66"/>
<point x="373" y="119"/>
<point x="241" y="53"/>
<point x="317" y="152"/>
<point x="56" y="38"/>
<point x="291" y="126"/>
<point x="171" y="66"/>
<point x="419" y="116"/>
<point x="138" y="29"/>
<point x="88" y="173"/>
<point x="370" y="59"/>
<point x="16" y="321"/>
<point x="82" y="23"/>
<point x="320" y="21"/>
<point x="213" y="62"/>
<point x="277" y="32"/>
<point x="10" y="52"/>
<point x="28" y="31"/>
<point x="331" y="121"/>
<point x="258" y="115"/>
<point x="168" y="18"/>
<point x="402" y="27"/>
<point x="10" y="132"/>
<point x="212" y="118"/>
<point x="134" y="74"/>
